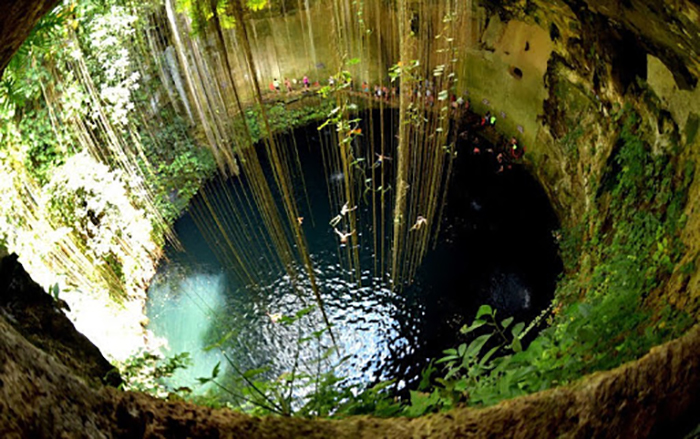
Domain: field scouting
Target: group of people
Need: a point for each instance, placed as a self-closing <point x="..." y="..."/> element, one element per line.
<point x="345" y="236"/>
<point x="275" y="86"/>
<point x="505" y="154"/>
<point x="459" y="106"/>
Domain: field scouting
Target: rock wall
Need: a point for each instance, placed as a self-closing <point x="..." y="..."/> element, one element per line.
<point x="16" y="22"/>
<point x="583" y="59"/>
<point x="40" y="319"/>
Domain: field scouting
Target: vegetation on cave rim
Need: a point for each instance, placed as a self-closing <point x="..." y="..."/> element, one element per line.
<point x="43" y="100"/>
<point x="626" y="247"/>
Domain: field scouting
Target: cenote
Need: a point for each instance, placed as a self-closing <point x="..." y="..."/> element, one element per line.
<point x="495" y="247"/>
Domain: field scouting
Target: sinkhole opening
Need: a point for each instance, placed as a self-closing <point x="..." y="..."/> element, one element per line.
<point x="495" y="246"/>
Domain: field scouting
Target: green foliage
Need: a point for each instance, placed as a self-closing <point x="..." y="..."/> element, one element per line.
<point x="54" y="291"/>
<point x="471" y="371"/>
<point x="182" y="165"/>
<point x="147" y="372"/>
<point x="256" y="5"/>
<point x="570" y="242"/>
<point x="282" y="117"/>
<point x="376" y="401"/>
<point x="44" y="152"/>
<point x="202" y="12"/>
<point x="570" y="142"/>
<point x="20" y="80"/>
<point x="310" y="388"/>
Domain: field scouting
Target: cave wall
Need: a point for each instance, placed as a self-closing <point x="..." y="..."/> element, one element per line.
<point x="593" y="53"/>
<point x="41" y="320"/>
<point x="582" y="59"/>
<point x="16" y="22"/>
<point x="640" y="53"/>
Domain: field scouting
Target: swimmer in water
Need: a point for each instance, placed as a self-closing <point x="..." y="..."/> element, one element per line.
<point x="343" y="211"/>
<point x="274" y="317"/>
<point x="344" y="236"/>
<point x="420" y="222"/>
<point x="380" y="159"/>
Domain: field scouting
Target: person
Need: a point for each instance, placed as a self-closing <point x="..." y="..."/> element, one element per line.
<point x="516" y="150"/>
<point x="274" y="317"/>
<point x="331" y="81"/>
<point x="343" y="236"/>
<point x="300" y="220"/>
<point x="276" y="83"/>
<point x="272" y="87"/>
<point x="306" y="82"/>
<point x="343" y="211"/>
<point x="288" y="84"/>
<point x="486" y="118"/>
<point x="365" y="87"/>
<point x="380" y="160"/>
<point x="420" y="222"/>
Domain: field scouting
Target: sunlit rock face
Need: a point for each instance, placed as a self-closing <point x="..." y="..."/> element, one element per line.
<point x="605" y="55"/>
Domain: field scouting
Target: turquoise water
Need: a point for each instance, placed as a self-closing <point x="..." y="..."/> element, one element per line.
<point x="182" y="303"/>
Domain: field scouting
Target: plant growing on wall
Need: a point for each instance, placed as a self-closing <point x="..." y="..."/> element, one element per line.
<point x="88" y="200"/>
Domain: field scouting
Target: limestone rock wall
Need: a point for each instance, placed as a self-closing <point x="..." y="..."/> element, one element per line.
<point x="40" y="319"/>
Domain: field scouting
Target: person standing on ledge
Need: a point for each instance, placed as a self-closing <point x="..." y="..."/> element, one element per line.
<point x="516" y="150"/>
<point x="288" y="84"/>
<point x="365" y="87"/>
<point x="276" y="83"/>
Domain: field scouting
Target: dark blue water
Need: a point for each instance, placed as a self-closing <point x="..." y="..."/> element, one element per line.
<point x="495" y="247"/>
